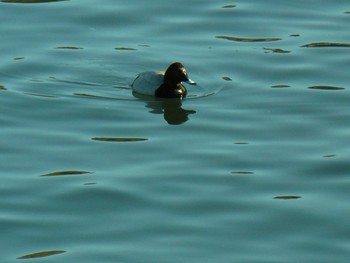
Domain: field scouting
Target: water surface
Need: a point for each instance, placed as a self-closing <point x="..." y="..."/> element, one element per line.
<point x="251" y="167"/>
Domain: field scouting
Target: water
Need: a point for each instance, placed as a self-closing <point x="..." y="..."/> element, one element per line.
<point x="251" y="167"/>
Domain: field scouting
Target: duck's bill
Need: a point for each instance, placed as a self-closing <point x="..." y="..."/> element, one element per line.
<point x="191" y="82"/>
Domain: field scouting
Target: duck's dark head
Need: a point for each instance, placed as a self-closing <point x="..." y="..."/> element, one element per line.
<point x="175" y="74"/>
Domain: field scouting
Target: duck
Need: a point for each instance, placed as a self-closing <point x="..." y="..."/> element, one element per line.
<point x="161" y="84"/>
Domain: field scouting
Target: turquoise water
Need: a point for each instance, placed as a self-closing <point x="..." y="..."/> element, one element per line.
<point x="252" y="167"/>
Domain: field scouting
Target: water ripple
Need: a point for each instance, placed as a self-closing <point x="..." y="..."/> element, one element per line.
<point x="240" y="39"/>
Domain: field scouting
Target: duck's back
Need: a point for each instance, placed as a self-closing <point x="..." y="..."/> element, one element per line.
<point x="147" y="83"/>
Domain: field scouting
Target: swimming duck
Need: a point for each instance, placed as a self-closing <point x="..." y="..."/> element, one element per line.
<point x="163" y="85"/>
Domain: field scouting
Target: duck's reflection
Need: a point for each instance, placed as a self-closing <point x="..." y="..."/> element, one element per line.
<point x="171" y="109"/>
<point x="174" y="113"/>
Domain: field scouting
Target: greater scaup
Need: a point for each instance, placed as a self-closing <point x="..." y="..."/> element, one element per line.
<point x="163" y="85"/>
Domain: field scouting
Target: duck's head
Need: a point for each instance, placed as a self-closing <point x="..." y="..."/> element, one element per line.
<point x="176" y="73"/>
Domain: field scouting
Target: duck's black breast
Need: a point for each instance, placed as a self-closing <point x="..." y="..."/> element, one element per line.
<point x="165" y="91"/>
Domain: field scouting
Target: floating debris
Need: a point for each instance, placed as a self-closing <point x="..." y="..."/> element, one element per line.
<point x="2" y="88"/>
<point x="326" y="44"/>
<point x="229" y="6"/>
<point x="18" y="58"/>
<point x="125" y="48"/>
<point x="42" y="254"/>
<point x="277" y="50"/>
<point x="104" y="139"/>
<point x="294" y="35"/>
<point x="239" y="39"/>
<point x="72" y="172"/>
<point x="69" y="47"/>
<point x="243" y="172"/>
<point x="280" y="86"/>
<point x="227" y="78"/>
<point x="287" y="197"/>
<point x="326" y="88"/>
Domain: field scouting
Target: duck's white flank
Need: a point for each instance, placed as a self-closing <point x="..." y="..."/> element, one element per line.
<point x="147" y="83"/>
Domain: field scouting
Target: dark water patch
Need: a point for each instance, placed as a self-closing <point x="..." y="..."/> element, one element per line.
<point x="326" y="44"/>
<point x="242" y="172"/>
<point x="348" y="12"/>
<point x="125" y="48"/>
<point x="229" y="6"/>
<point x="69" y="47"/>
<point x="287" y="197"/>
<point x="90" y="184"/>
<point x="90" y="96"/>
<point x="227" y="78"/>
<point x="106" y="139"/>
<point x="18" y="58"/>
<point x="241" y="143"/>
<point x="2" y="87"/>
<point x="40" y="95"/>
<point x="326" y="88"/>
<point x="42" y="254"/>
<point x="68" y="172"/>
<point x="329" y="156"/>
<point x="280" y="86"/>
<point x="240" y="39"/>
<point x="277" y="50"/>
<point x="30" y="1"/>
